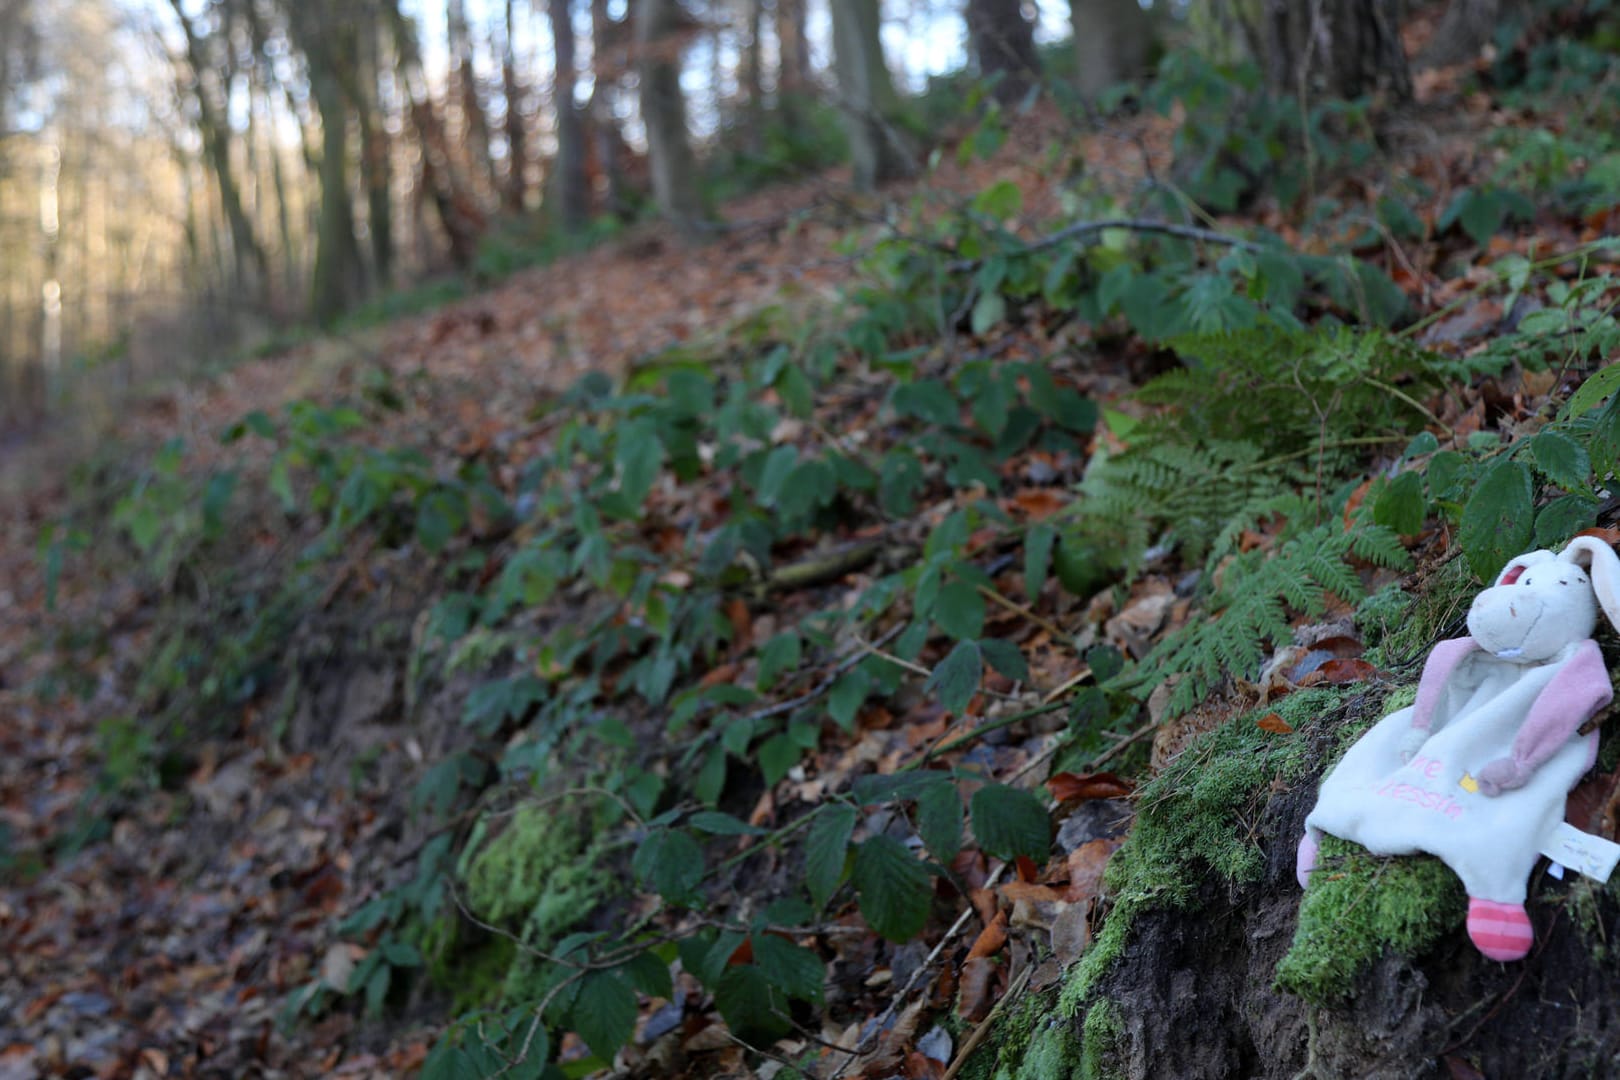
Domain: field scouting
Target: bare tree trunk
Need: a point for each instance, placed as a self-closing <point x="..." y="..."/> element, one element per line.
<point x="867" y="96"/>
<point x="517" y="181"/>
<point x="1345" y="48"/>
<point x="606" y="61"/>
<point x="336" y="282"/>
<point x="1466" y="28"/>
<point x="753" y="82"/>
<point x="1111" y="41"/>
<point x="793" y="70"/>
<point x="376" y="162"/>
<point x="252" y="271"/>
<point x="1004" y="46"/>
<point x="464" y="84"/>
<point x="663" y="110"/>
<point x="573" y="200"/>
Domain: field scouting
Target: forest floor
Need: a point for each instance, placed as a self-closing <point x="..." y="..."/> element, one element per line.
<point x="162" y="933"/>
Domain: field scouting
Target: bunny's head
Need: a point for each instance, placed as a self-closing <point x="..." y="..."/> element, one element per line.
<point x="1542" y="602"/>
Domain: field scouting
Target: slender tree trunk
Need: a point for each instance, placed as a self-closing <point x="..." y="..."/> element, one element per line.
<point x="464" y="83"/>
<point x="663" y="110"/>
<point x="517" y="143"/>
<point x="866" y="96"/>
<point x="573" y="199"/>
<point x="793" y="63"/>
<point x="753" y="82"/>
<point x="337" y="253"/>
<point x="606" y="60"/>
<point x="251" y="268"/>
<point x="376" y="162"/>
<point x="1111" y="41"/>
<point x="1004" y="45"/>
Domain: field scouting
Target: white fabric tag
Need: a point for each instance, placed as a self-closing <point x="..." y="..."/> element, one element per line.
<point x="1556" y="870"/>
<point x="1591" y="855"/>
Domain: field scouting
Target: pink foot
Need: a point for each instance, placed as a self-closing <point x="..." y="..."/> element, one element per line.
<point x="1500" y="931"/>
<point x="1305" y="861"/>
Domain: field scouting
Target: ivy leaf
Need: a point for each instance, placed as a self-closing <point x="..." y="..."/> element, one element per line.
<point x="939" y="820"/>
<point x="797" y="972"/>
<point x="671" y="862"/>
<point x="604" y="1014"/>
<point x="825" y="852"/>
<point x="960" y="611"/>
<point x="1498" y="522"/>
<point x="1009" y="822"/>
<point x="956" y="679"/>
<point x="893" y="888"/>
<point x="1562" y="460"/>
<point x="1400" y="506"/>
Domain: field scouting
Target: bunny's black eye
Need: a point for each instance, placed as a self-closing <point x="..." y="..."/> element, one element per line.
<point x="1561" y="581"/>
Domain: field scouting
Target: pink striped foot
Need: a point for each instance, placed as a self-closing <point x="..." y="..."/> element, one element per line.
<point x="1500" y="931"/>
<point x="1305" y="861"/>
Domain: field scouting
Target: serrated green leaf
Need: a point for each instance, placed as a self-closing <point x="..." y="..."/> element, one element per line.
<point x="960" y="611"/>
<point x="1499" y="520"/>
<point x="711" y="777"/>
<point x="751" y="1007"/>
<point x="781" y="654"/>
<point x="670" y="862"/>
<point x="1037" y="557"/>
<point x="401" y="954"/>
<point x="956" y="679"/>
<point x="639" y="455"/>
<point x="604" y="1013"/>
<point x="825" y="852"/>
<point x="1009" y="822"/>
<point x="1400" y="505"/>
<point x="779" y="465"/>
<point x="717" y="824"/>
<point x="1422" y="443"/>
<point x="1006" y="658"/>
<point x="1000" y="200"/>
<point x="647" y="973"/>
<point x="777" y="755"/>
<point x="1562" y="460"/>
<point x="796" y="971"/>
<point x="1599" y="385"/>
<point x="928" y="400"/>
<point x="988" y="312"/>
<point x="1563" y="518"/>
<point x="846" y="697"/>
<point x="377" y="988"/>
<point x="893" y="887"/>
<point x="939" y="820"/>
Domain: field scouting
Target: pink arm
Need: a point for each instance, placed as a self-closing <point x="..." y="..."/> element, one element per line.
<point x="1576" y="692"/>
<point x="1443" y="660"/>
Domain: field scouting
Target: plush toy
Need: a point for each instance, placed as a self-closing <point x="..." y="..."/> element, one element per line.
<point x="1477" y="769"/>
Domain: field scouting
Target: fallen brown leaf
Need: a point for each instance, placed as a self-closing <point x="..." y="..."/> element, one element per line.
<point x="991" y="938"/>
<point x="1275" y="724"/>
<point x="1079" y="787"/>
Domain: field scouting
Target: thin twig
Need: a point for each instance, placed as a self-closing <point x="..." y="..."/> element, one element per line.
<point x="826" y="684"/>
<point x="1083" y="229"/>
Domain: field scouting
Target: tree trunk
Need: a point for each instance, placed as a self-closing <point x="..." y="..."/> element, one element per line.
<point x="1111" y="42"/>
<point x="464" y="87"/>
<point x="1344" y="48"/>
<point x="376" y="159"/>
<point x="568" y="187"/>
<point x="336" y="282"/>
<point x="1004" y="46"/>
<point x="866" y="96"/>
<point x="663" y="110"/>
<point x="753" y="82"/>
<point x="516" y="192"/>
<point x="793" y="61"/>
<point x="606" y="63"/>
<point x="1466" y="28"/>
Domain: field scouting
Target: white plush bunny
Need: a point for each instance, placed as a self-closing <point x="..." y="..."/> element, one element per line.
<point x="1477" y="769"/>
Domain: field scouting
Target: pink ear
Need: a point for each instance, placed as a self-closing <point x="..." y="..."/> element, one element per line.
<point x="1519" y="564"/>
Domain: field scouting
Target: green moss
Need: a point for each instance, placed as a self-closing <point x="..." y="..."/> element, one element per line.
<point x="540" y="878"/>
<point x="1399" y="633"/>
<point x="1101" y="1040"/>
<point x="1197" y="816"/>
<point x="1053" y="1053"/>
<point x="1358" y="905"/>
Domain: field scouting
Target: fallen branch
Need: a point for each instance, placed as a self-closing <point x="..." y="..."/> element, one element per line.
<point x="1084" y="229"/>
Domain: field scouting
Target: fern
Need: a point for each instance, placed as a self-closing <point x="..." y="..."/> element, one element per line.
<point x="1250" y="606"/>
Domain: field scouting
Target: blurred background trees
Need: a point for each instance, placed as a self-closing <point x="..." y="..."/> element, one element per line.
<point x="193" y="173"/>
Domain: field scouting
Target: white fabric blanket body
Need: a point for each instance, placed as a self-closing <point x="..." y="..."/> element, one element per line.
<point x="1421" y="779"/>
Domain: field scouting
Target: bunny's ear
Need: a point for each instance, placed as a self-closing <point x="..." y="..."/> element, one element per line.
<point x="1604" y="566"/>
<point x="1520" y="563"/>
